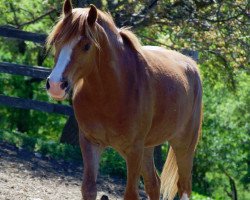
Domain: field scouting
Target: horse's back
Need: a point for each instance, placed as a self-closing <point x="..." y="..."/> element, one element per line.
<point x="168" y="65"/>
<point x="169" y="55"/>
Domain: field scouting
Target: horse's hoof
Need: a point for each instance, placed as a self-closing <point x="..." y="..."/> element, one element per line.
<point x="104" y="197"/>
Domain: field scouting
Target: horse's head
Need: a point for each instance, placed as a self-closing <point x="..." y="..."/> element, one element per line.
<point x="76" y="48"/>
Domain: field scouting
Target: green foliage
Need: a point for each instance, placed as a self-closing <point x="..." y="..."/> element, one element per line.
<point x="113" y="163"/>
<point x="45" y="147"/>
<point x="196" y="196"/>
<point x="217" y="29"/>
<point x="223" y="150"/>
<point x="20" y="14"/>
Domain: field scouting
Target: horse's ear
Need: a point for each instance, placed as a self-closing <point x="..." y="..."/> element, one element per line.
<point x="92" y="15"/>
<point x="67" y="7"/>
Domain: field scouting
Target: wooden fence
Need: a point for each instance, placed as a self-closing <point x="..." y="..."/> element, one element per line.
<point x="31" y="71"/>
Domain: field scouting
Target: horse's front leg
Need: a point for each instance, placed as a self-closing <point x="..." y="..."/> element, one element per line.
<point x="134" y="157"/>
<point x="91" y="156"/>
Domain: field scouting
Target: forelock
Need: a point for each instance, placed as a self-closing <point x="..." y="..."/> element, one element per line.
<point x="69" y="27"/>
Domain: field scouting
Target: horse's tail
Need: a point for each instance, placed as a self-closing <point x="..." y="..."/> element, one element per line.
<point x="169" y="176"/>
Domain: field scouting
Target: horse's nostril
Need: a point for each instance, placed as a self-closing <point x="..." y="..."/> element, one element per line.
<point x="64" y="85"/>
<point x="47" y="84"/>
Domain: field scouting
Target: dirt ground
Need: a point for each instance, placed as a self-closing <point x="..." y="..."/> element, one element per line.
<point x="28" y="176"/>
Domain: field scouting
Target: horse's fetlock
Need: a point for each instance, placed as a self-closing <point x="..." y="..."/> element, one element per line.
<point x="89" y="192"/>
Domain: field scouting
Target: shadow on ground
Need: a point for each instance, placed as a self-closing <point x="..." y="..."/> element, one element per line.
<point x="26" y="175"/>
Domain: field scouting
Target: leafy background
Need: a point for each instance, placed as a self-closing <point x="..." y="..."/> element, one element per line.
<point x="218" y="30"/>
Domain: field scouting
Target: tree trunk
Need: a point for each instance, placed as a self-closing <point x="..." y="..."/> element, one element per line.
<point x="233" y="187"/>
<point x="70" y="132"/>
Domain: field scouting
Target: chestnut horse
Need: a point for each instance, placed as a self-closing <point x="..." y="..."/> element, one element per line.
<point x="129" y="97"/>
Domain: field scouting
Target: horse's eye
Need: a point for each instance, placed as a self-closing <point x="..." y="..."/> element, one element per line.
<point x="86" y="47"/>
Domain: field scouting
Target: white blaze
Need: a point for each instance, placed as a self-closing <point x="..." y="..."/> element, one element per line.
<point x="62" y="61"/>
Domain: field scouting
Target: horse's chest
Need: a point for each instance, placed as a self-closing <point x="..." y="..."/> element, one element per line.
<point x="106" y="132"/>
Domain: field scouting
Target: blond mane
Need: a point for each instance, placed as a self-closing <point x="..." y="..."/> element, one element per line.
<point x="75" y="24"/>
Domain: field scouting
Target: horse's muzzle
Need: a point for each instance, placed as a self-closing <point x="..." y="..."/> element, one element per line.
<point x="58" y="90"/>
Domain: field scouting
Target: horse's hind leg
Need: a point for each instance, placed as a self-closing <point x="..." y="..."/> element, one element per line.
<point x="184" y="148"/>
<point x="91" y="155"/>
<point x="185" y="163"/>
<point x="150" y="176"/>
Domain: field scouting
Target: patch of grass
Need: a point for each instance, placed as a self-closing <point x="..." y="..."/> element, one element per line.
<point x="112" y="163"/>
<point x="47" y="148"/>
<point x="196" y="196"/>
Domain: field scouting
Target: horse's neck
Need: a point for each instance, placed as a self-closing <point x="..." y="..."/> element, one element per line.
<point x="109" y="80"/>
<point x="105" y="80"/>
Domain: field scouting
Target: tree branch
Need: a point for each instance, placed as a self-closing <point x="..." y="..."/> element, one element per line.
<point x="14" y="13"/>
<point x="233" y="194"/>
<point x="36" y="19"/>
<point x="156" y="42"/>
<point x="141" y="16"/>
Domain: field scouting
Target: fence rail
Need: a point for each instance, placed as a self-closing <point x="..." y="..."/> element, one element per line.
<point x="10" y="32"/>
<point x="24" y="70"/>
<point x="17" y="102"/>
<point x="35" y="72"/>
<point x="31" y="71"/>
